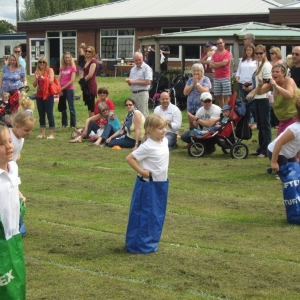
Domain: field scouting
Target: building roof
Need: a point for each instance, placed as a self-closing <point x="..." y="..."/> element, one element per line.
<point x="261" y="31"/>
<point x="130" y="9"/>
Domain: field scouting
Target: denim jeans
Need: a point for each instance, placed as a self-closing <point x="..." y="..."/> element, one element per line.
<point x="69" y="94"/>
<point x="45" y="107"/>
<point x="250" y="110"/>
<point x="125" y="142"/>
<point x="107" y="132"/>
<point x="172" y="139"/>
<point x="263" y="109"/>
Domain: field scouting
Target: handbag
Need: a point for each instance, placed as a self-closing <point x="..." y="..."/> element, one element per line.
<point x="54" y="88"/>
<point x="62" y="103"/>
<point x="12" y="267"/>
<point x="290" y="177"/>
<point x="146" y="215"/>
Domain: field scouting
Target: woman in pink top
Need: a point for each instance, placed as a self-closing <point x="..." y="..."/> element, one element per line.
<point x="67" y="74"/>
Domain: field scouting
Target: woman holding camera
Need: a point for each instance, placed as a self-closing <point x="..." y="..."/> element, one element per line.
<point x="246" y="68"/>
<point x="262" y="106"/>
<point x="284" y="92"/>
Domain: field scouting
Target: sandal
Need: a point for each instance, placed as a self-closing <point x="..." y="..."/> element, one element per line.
<point x="40" y="136"/>
<point x="50" y="137"/>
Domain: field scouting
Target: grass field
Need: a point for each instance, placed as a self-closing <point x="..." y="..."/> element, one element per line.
<point x="225" y="233"/>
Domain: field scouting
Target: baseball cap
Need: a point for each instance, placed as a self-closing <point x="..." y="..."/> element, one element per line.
<point x="205" y="96"/>
<point x="209" y="43"/>
<point x="226" y="107"/>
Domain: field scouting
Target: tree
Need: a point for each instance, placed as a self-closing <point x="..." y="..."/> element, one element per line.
<point x="5" y="27"/>
<point x="34" y="9"/>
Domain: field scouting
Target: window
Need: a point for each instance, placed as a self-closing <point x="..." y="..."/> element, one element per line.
<point x="7" y="50"/>
<point x="192" y="51"/>
<point x="117" y="43"/>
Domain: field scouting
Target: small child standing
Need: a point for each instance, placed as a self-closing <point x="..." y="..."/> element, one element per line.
<point x="153" y="157"/>
<point x="12" y="264"/>
<point x="225" y="113"/>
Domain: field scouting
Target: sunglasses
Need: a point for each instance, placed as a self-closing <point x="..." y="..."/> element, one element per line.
<point x="259" y="53"/>
<point x="297" y="54"/>
<point x="42" y="62"/>
<point x="103" y="110"/>
<point x="207" y="101"/>
<point x="17" y="51"/>
<point x="88" y="51"/>
<point x="271" y="53"/>
<point x="102" y="93"/>
<point x="128" y="104"/>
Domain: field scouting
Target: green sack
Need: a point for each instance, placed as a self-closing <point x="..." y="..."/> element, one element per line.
<point x="12" y="267"/>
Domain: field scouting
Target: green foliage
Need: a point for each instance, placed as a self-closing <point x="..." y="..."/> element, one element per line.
<point x="34" y="9"/>
<point x="5" y="27"/>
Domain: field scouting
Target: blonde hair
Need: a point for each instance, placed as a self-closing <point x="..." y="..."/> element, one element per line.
<point x="154" y="121"/>
<point x="25" y="102"/>
<point x="289" y="60"/>
<point x="277" y="51"/>
<point x="6" y="94"/>
<point x="16" y="58"/>
<point x="42" y="58"/>
<point x="3" y="128"/>
<point x="63" y="64"/>
<point x="92" y="49"/>
<point x="264" y="60"/>
<point x="22" y="118"/>
<point x="83" y="46"/>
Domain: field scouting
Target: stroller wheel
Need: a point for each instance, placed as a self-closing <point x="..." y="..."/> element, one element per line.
<point x="239" y="151"/>
<point x="197" y="149"/>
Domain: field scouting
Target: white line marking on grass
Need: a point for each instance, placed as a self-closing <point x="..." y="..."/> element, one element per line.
<point x="122" y="278"/>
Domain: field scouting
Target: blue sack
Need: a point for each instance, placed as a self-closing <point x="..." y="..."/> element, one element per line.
<point x="290" y="177"/>
<point x="146" y="215"/>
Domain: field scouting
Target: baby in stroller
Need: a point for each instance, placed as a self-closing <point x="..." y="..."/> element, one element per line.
<point x="218" y="127"/>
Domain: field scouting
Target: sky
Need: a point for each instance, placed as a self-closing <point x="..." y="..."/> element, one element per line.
<point x="8" y="10"/>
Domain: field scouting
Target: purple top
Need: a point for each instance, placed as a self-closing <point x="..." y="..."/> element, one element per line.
<point x="92" y="81"/>
<point x="12" y="80"/>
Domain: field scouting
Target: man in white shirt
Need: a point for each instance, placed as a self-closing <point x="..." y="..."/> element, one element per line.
<point x="139" y="81"/>
<point x="172" y="114"/>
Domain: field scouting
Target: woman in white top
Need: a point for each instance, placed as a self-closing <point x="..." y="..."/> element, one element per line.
<point x="247" y="67"/>
<point x="262" y="106"/>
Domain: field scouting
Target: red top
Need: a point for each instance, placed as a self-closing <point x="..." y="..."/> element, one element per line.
<point x="110" y="105"/>
<point x="92" y="81"/>
<point x="223" y="72"/>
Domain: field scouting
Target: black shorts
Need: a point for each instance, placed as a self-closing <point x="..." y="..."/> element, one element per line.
<point x="89" y="101"/>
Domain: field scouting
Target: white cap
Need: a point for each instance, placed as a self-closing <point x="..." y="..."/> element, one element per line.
<point x="205" y="96"/>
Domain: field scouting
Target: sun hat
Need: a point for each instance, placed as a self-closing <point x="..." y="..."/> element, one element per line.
<point x="226" y="107"/>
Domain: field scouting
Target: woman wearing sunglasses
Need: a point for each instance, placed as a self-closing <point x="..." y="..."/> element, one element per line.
<point x="284" y="92"/>
<point x="89" y="75"/>
<point x="262" y="106"/>
<point x="45" y="102"/>
<point x="91" y="124"/>
<point x="132" y="131"/>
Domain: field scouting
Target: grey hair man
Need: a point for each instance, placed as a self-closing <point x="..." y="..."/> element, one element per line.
<point x="249" y="39"/>
<point x="139" y="81"/>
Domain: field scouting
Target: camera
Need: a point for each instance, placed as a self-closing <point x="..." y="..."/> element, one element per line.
<point x="266" y="80"/>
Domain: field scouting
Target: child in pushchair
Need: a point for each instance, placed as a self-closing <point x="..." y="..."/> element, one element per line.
<point x="219" y="125"/>
<point x="223" y="134"/>
<point x="9" y="105"/>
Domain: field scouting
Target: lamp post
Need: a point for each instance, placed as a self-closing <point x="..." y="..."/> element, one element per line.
<point x="17" y="10"/>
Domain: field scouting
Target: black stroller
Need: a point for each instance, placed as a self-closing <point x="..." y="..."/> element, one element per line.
<point x="160" y="84"/>
<point x="176" y="91"/>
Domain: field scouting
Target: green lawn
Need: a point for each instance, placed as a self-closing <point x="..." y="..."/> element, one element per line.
<point x="225" y="233"/>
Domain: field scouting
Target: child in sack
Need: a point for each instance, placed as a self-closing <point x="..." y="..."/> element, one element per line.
<point x="12" y="257"/>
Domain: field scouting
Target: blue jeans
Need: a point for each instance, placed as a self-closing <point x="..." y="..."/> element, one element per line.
<point x="172" y="139"/>
<point x="263" y="109"/>
<point x="45" y="107"/>
<point x="250" y="110"/>
<point x="107" y="132"/>
<point x="69" y="94"/>
<point x="126" y="142"/>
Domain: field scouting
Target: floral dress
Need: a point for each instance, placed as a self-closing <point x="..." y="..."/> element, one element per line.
<point x="193" y="98"/>
<point x="12" y="80"/>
